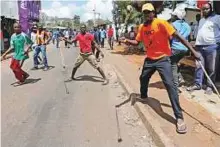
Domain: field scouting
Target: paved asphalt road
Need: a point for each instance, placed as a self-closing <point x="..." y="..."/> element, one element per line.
<point x="41" y="114"/>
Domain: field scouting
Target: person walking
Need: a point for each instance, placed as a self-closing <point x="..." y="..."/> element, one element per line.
<point x="110" y="33"/>
<point x="96" y="34"/>
<point x="155" y="34"/>
<point x="178" y="49"/>
<point x="208" y="46"/>
<point x="102" y="36"/>
<point x="85" y="42"/>
<point x="132" y="34"/>
<point x="42" y="40"/>
<point x="67" y="35"/>
<point x="74" y="33"/>
<point x="57" y="35"/>
<point x="18" y="42"/>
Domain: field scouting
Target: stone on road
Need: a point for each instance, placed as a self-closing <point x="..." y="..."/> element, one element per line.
<point x="41" y="114"/>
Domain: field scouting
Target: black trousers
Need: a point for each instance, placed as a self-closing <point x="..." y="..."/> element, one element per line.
<point x="163" y="66"/>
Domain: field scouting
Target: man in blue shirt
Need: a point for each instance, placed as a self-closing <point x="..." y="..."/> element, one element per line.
<point x="103" y="36"/>
<point x="56" y="35"/>
<point x="178" y="49"/>
<point x="96" y="34"/>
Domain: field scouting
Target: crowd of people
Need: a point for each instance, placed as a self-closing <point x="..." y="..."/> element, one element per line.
<point x="89" y="44"/>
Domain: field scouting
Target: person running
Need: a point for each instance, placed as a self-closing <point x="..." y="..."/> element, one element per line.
<point x="85" y="41"/>
<point x="110" y="33"/>
<point x="208" y="45"/>
<point x="155" y="34"/>
<point x="18" y="42"/>
<point x="43" y="39"/>
<point x="178" y="49"/>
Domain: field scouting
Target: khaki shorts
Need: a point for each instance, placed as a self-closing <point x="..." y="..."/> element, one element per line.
<point x="89" y="57"/>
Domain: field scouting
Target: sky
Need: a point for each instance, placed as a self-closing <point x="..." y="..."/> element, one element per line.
<point x="83" y="8"/>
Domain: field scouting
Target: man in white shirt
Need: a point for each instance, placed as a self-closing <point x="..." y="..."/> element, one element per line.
<point x="208" y="45"/>
<point x="67" y="36"/>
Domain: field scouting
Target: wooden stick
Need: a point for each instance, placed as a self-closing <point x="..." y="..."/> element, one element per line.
<point x="206" y="74"/>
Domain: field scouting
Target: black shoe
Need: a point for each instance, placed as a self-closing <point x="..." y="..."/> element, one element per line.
<point x="34" y="68"/>
<point x="194" y="87"/>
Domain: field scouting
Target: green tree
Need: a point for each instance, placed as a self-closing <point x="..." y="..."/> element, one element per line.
<point x="90" y="24"/>
<point x="76" y="21"/>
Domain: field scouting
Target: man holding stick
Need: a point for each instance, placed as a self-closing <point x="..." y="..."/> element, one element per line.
<point x="155" y="34"/>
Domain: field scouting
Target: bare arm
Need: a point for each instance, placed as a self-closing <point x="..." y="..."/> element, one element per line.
<point x="128" y="41"/>
<point x="28" y="48"/>
<point x="98" y="48"/>
<point x="187" y="44"/>
<point x="3" y="56"/>
<point x="49" y="38"/>
<point x="70" y="42"/>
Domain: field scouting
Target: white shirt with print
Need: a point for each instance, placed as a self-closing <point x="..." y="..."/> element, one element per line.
<point x="209" y="31"/>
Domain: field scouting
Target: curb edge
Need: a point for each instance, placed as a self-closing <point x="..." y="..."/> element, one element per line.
<point x="159" y="137"/>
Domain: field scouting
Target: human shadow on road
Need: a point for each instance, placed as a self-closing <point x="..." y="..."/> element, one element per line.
<point x="27" y="81"/>
<point x="155" y="105"/>
<point x="50" y="67"/>
<point x="89" y="78"/>
<point x="152" y="102"/>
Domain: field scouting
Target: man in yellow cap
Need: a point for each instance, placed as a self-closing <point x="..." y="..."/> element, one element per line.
<point x="155" y="35"/>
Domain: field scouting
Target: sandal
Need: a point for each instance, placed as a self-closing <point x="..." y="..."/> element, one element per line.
<point x="181" y="128"/>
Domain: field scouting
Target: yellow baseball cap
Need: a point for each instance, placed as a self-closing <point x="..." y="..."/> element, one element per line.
<point x="148" y="6"/>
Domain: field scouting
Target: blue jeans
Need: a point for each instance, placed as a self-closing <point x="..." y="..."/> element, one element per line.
<point x="177" y="55"/>
<point x="163" y="66"/>
<point x="210" y="60"/>
<point x="57" y="42"/>
<point x="42" y="49"/>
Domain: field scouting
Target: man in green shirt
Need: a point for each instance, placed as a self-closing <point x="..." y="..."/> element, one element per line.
<point x="18" y="42"/>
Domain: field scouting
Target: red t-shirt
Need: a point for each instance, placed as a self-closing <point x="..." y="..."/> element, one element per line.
<point x="156" y="38"/>
<point x="85" y="42"/>
<point x="110" y="32"/>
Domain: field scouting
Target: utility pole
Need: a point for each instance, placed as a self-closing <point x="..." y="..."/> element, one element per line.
<point x="95" y="13"/>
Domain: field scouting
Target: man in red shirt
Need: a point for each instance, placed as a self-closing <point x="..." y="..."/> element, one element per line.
<point x="85" y="43"/>
<point x="110" y="33"/>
